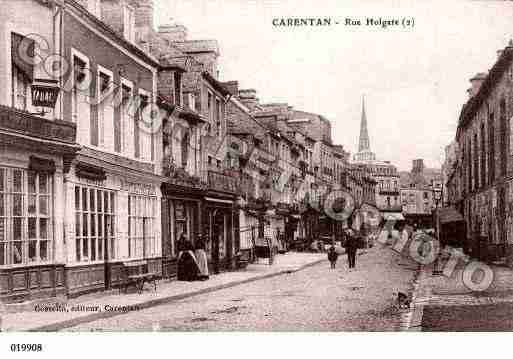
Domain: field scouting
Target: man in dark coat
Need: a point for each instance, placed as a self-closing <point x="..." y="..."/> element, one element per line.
<point x="351" y="245"/>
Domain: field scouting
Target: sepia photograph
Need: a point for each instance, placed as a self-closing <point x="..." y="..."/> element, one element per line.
<point x="261" y="166"/>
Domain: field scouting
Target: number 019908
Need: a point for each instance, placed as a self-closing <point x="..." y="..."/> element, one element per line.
<point x="26" y="347"/>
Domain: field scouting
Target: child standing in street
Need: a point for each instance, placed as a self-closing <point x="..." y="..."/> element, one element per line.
<point x="332" y="256"/>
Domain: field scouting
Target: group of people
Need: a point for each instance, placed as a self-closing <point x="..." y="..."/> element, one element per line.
<point x="351" y="244"/>
<point x="192" y="260"/>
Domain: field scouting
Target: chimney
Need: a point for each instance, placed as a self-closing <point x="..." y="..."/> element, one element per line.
<point x="173" y="32"/>
<point x="477" y="81"/>
<point x="418" y="166"/>
<point x="248" y="98"/>
<point x="144" y="14"/>
<point x="232" y="87"/>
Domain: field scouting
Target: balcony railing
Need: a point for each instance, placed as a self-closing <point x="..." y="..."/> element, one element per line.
<point x="224" y="182"/>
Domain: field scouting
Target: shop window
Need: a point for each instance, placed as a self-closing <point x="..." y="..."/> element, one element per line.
<point x="25" y="216"/>
<point x="142" y="242"/>
<point x="94" y="224"/>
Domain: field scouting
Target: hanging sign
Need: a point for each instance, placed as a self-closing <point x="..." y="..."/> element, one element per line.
<point x="45" y="93"/>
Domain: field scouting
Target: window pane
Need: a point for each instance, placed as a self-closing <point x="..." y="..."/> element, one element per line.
<point x="77" y="248"/>
<point x="112" y="202"/>
<point x="32" y="251"/>
<point x="31" y="178"/>
<point x="17" y="204"/>
<point x="85" y="249"/>
<point x="85" y="224"/>
<point x="2" y="175"/>
<point x="43" y="250"/>
<point x="2" y="208"/>
<point x="17" y="254"/>
<point x="100" y="248"/>
<point x="43" y="228"/>
<point x="17" y="180"/>
<point x="105" y="202"/>
<point x="93" y="249"/>
<point x="32" y="204"/>
<point x="32" y="228"/>
<point x="99" y="202"/>
<point x="16" y="228"/>
<point x="93" y="225"/>
<point x="84" y="199"/>
<point x="92" y="201"/>
<point x="2" y="253"/>
<point x="77" y="225"/>
<point x="112" y="225"/>
<point x="43" y="183"/>
<point x="43" y="205"/>
<point x="77" y="198"/>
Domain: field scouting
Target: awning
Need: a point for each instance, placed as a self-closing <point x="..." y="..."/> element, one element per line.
<point x="449" y="215"/>
<point x="393" y="216"/>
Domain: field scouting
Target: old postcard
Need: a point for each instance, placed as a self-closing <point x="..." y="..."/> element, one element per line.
<point x="261" y="166"/>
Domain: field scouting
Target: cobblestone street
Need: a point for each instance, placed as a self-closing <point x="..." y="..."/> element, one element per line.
<point x="316" y="298"/>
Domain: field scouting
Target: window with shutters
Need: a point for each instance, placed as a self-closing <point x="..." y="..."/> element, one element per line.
<point x="25" y="216"/>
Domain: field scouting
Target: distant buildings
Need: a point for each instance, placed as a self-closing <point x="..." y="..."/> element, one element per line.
<point x="417" y="193"/>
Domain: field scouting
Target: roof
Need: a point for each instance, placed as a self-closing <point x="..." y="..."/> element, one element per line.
<point x="109" y="31"/>
<point x="473" y="104"/>
<point x="191" y="46"/>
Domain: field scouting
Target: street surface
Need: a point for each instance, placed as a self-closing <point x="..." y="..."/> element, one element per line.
<point x="313" y="299"/>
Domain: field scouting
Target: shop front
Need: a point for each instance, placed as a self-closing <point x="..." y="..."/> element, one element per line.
<point x="181" y="215"/>
<point x="34" y="156"/>
<point x="220" y="226"/>
<point x="114" y="219"/>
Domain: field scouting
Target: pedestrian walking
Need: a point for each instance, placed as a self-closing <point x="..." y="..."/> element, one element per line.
<point x="332" y="256"/>
<point x="351" y="247"/>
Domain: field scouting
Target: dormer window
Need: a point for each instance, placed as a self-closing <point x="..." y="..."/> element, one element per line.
<point x="129" y="23"/>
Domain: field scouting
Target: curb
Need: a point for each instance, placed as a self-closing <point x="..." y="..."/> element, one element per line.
<point x="414" y="323"/>
<point x="154" y="302"/>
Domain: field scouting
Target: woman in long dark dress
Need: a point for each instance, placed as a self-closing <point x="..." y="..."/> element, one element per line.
<point x="188" y="269"/>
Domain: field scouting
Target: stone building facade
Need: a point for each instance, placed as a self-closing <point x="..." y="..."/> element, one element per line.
<point x="483" y="137"/>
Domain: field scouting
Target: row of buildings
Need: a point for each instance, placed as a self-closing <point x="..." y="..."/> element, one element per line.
<point x="117" y="138"/>
<point x="478" y="167"/>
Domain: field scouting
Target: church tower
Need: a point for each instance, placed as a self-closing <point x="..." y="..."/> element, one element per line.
<point x="364" y="152"/>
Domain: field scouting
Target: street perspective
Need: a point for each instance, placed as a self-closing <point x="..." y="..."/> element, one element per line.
<point x="241" y="166"/>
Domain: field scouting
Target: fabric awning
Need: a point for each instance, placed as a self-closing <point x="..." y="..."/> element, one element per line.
<point x="393" y="216"/>
<point x="449" y="215"/>
<point x="21" y="48"/>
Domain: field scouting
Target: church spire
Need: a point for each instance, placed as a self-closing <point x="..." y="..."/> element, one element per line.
<point x="364" y="143"/>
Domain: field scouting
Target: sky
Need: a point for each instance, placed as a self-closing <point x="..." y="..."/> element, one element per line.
<point x="414" y="79"/>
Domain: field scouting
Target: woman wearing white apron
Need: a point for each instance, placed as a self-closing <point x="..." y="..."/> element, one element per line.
<point x="201" y="258"/>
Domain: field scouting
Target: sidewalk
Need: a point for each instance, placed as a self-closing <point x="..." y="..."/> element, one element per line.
<point x="111" y="303"/>
<point x="435" y="292"/>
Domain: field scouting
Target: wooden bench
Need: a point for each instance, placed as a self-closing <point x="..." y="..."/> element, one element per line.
<point x="137" y="273"/>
